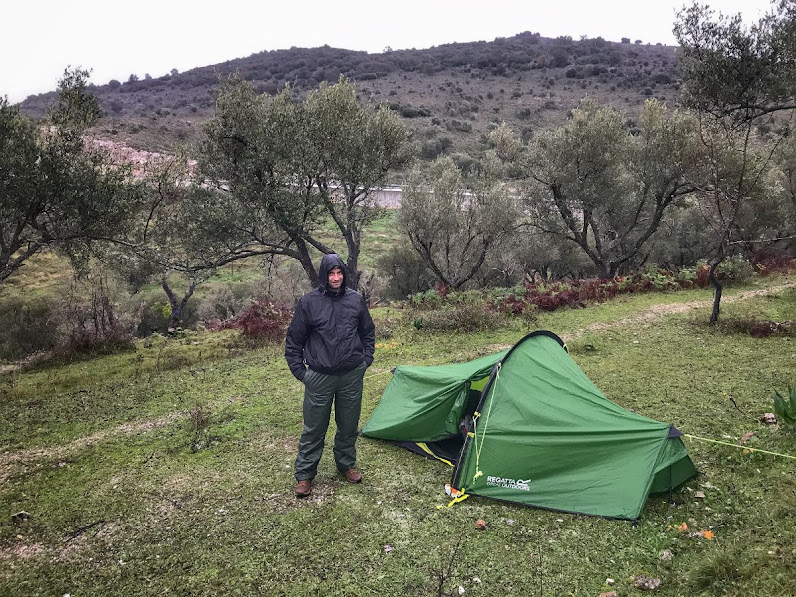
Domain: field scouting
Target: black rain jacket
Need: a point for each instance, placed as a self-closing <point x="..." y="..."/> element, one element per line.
<point x="331" y="332"/>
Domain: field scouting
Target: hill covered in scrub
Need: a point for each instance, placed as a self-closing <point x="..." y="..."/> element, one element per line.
<point x="450" y="96"/>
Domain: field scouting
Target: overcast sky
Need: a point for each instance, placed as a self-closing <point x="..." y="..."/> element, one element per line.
<point x="40" y="38"/>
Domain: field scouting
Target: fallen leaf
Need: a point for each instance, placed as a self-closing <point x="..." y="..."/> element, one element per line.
<point x="699" y="494"/>
<point x="609" y="581"/>
<point x="666" y="555"/>
<point x="609" y="594"/>
<point x="480" y="524"/>
<point x="768" y="418"/>
<point x="682" y="528"/>
<point x="707" y="534"/>
<point x="747" y="436"/>
<point x="388" y="548"/>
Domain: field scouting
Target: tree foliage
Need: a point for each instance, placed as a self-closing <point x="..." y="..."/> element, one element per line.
<point x="56" y="189"/>
<point x="291" y="166"/>
<point x="737" y="71"/>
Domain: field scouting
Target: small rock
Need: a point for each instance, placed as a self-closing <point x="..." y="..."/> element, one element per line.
<point x="610" y="582"/>
<point x="666" y="555"/>
<point x="699" y="495"/>
<point x="768" y="418"/>
<point x="461" y="590"/>
<point x="510" y="521"/>
<point x="388" y="548"/>
<point x="20" y="516"/>
<point x="645" y="583"/>
<point x="609" y="594"/>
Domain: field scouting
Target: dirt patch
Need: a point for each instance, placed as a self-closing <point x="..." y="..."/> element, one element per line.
<point x="22" y="551"/>
<point x="9" y="460"/>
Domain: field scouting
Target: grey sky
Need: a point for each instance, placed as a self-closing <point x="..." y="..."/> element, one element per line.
<point x="41" y="38"/>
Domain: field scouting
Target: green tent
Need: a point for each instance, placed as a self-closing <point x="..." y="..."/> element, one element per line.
<point x="526" y="425"/>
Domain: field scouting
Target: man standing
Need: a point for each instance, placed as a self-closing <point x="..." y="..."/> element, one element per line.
<point x="329" y="345"/>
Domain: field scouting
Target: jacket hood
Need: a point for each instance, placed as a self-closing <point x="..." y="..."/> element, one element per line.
<point x="328" y="263"/>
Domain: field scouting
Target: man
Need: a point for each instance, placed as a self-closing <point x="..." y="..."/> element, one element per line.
<point x="329" y="345"/>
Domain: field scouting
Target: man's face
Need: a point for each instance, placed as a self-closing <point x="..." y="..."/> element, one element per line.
<point x="335" y="278"/>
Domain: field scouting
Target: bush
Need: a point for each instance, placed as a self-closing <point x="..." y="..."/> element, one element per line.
<point x="406" y="273"/>
<point x="735" y="270"/>
<point x="459" y="317"/>
<point x="26" y="328"/>
<point x="773" y="262"/>
<point x="261" y="321"/>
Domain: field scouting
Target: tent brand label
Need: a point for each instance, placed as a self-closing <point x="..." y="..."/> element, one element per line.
<point x="519" y="484"/>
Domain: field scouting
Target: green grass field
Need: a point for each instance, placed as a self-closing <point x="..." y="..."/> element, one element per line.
<point x="167" y="469"/>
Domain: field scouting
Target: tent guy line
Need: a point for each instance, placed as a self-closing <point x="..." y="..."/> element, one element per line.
<point x="715" y="441"/>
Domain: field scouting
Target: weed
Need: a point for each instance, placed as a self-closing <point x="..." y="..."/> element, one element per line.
<point x="785" y="406"/>
<point x="200" y="424"/>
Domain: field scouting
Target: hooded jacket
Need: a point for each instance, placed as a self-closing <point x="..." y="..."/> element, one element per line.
<point x="331" y="332"/>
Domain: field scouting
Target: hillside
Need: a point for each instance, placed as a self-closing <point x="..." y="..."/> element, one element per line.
<point x="450" y="96"/>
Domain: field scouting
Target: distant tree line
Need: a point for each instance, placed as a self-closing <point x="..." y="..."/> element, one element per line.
<point x="287" y="178"/>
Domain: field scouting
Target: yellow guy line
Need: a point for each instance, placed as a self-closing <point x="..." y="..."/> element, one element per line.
<point x="715" y="441"/>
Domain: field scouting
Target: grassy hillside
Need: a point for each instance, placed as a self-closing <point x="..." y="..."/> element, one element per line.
<point x="168" y="469"/>
<point x="449" y="96"/>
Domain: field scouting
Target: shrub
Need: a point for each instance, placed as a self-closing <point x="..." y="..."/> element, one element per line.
<point x="735" y="270"/>
<point x="459" y="317"/>
<point x="773" y="262"/>
<point x="262" y="320"/>
<point x="26" y="327"/>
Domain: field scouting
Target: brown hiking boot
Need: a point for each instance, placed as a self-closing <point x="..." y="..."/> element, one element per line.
<point x="352" y="475"/>
<point x="303" y="488"/>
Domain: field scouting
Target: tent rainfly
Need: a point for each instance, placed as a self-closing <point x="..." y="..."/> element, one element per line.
<point x="526" y="425"/>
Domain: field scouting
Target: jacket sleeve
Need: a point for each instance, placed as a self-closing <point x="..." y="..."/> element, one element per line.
<point x="367" y="333"/>
<point x="294" y="343"/>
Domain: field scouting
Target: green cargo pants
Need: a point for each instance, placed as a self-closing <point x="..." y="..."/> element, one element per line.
<point x="320" y="390"/>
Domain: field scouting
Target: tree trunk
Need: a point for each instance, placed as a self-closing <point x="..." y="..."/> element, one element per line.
<point x="177" y="306"/>
<point x="714" y="316"/>
<point x="306" y="261"/>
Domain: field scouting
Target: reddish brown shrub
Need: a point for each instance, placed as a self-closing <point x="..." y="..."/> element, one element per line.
<point x="262" y="320"/>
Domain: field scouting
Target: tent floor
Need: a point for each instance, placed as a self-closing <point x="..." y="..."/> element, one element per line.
<point x="444" y="449"/>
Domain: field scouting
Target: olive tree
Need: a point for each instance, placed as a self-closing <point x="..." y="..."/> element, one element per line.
<point x="737" y="196"/>
<point x="453" y="221"/>
<point x="184" y="231"/>
<point x="738" y="72"/>
<point x="596" y="185"/>
<point x="734" y="76"/>
<point x="57" y="190"/>
<point x="292" y="166"/>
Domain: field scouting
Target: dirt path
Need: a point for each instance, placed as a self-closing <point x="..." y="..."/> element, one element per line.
<point x="9" y="460"/>
<point x="656" y="311"/>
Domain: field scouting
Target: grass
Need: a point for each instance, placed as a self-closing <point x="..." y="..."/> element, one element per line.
<point x="101" y="454"/>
